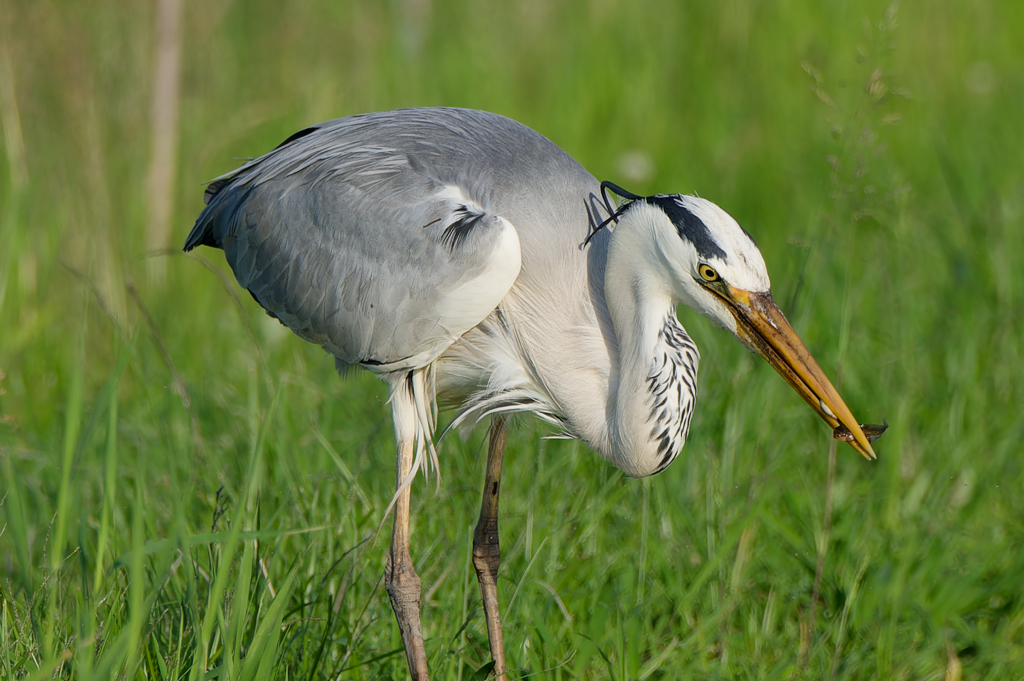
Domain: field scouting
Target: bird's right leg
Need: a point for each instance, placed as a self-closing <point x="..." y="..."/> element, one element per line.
<point x="486" y="550"/>
<point x="400" y="580"/>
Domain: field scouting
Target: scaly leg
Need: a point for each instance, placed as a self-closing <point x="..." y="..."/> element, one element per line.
<point x="486" y="551"/>
<point x="400" y="578"/>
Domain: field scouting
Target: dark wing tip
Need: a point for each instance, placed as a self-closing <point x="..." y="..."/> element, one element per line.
<point x="200" y="236"/>
<point x="220" y="217"/>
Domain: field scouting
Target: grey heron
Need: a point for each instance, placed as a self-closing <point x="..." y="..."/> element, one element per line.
<point x="462" y="256"/>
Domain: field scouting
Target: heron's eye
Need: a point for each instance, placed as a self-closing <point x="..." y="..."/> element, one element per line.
<point x="707" y="272"/>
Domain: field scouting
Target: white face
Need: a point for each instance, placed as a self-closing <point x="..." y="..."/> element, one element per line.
<point x="742" y="267"/>
<point x="704" y="236"/>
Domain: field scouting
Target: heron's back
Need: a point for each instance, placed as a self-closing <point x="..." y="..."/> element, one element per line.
<point x="356" y="233"/>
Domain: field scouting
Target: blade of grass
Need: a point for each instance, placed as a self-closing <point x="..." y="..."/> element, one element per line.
<point x="138" y="615"/>
<point x="17" y="530"/>
<point x="109" y="470"/>
<point x="207" y="538"/>
<point x="262" y="653"/>
<point x="214" y="610"/>
<point x="854" y="592"/>
<point x="239" y="609"/>
<point x="119" y="652"/>
<point x="85" y="656"/>
<point x="72" y="423"/>
<point x="644" y="523"/>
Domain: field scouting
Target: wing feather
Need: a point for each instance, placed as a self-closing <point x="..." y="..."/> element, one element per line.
<point x="375" y="245"/>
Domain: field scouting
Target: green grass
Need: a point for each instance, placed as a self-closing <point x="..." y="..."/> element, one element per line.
<point x="189" y="492"/>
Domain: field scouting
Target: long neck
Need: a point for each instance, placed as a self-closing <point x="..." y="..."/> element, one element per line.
<point x="653" y="388"/>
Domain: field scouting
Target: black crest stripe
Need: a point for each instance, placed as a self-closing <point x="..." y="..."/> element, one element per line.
<point x="689" y="226"/>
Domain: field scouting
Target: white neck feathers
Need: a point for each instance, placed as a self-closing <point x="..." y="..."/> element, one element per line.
<point x="653" y="386"/>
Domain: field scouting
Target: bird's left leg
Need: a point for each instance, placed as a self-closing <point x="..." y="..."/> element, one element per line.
<point x="486" y="551"/>
<point x="400" y="578"/>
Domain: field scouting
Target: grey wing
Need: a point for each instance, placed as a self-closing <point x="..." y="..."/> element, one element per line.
<point x="364" y="239"/>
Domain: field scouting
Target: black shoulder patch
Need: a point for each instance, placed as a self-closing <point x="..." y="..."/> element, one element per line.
<point x="299" y="135"/>
<point x="216" y="186"/>
<point x="689" y="226"/>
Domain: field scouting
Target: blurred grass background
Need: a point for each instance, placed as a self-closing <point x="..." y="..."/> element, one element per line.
<point x="191" y="492"/>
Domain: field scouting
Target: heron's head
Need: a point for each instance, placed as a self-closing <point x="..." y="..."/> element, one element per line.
<point x="715" y="267"/>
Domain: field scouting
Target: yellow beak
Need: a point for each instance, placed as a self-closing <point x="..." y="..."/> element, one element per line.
<point x="760" y="323"/>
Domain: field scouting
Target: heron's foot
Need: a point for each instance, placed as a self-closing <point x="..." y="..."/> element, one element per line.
<point x="403" y="587"/>
<point x="486" y="558"/>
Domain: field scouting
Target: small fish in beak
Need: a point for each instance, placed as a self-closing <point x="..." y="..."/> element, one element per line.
<point x="872" y="431"/>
